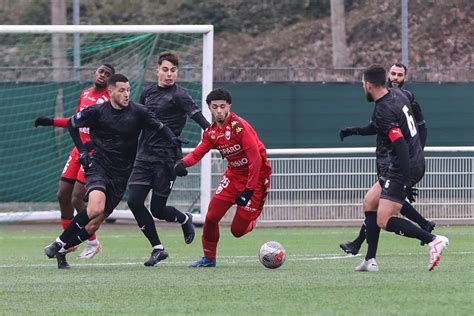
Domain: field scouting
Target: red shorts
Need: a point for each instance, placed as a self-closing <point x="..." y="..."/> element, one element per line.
<point x="232" y="185"/>
<point x="73" y="169"/>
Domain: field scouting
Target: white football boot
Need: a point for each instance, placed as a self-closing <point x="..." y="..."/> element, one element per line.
<point x="90" y="251"/>
<point x="368" y="266"/>
<point x="436" y="248"/>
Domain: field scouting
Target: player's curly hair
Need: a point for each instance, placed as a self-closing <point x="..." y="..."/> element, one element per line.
<point x="169" y="56"/>
<point x="219" y="94"/>
<point x="109" y="66"/>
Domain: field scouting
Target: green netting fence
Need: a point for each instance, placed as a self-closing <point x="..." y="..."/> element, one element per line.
<point x="40" y="78"/>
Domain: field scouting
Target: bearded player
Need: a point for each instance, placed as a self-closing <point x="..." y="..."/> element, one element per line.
<point x="245" y="182"/>
<point x="396" y="79"/>
<point x="71" y="185"/>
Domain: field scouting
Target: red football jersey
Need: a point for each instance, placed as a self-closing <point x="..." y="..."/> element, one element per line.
<point x="238" y="142"/>
<point x="88" y="97"/>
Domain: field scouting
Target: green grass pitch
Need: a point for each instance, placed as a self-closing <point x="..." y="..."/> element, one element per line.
<point x="316" y="279"/>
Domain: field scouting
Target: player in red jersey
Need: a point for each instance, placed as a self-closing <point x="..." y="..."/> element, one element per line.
<point x="71" y="185"/>
<point x="246" y="180"/>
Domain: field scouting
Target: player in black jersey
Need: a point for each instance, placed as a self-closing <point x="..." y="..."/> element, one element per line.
<point x="397" y="132"/>
<point x="396" y="78"/>
<point x="154" y="166"/>
<point x="114" y="127"/>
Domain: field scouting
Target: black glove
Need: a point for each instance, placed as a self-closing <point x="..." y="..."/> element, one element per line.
<point x="88" y="146"/>
<point x="180" y="169"/>
<point x="410" y="192"/>
<point x="176" y="140"/>
<point x="244" y="197"/>
<point x="347" y="131"/>
<point x="85" y="160"/>
<point x="43" y="121"/>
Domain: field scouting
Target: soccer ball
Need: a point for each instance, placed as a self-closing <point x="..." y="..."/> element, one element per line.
<point x="272" y="255"/>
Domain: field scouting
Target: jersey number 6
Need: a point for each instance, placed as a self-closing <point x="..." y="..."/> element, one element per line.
<point x="411" y="121"/>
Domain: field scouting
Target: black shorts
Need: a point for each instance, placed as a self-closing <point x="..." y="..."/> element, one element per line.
<point x="159" y="175"/>
<point x="392" y="184"/>
<point x="113" y="186"/>
<point x="382" y="169"/>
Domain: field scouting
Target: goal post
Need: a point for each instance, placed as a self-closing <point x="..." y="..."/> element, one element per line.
<point x="129" y="47"/>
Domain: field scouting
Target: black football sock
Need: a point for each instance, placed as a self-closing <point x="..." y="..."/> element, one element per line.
<point x="373" y="234"/>
<point x="362" y="236"/>
<point x="78" y="222"/>
<point x="409" y="212"/>
<point x="80" y="237"/>
<point x="147" y="226"/>
<point x="174" y="215"/>
<point x="406" y="228"/>
<point x="136" y="202"/>
<point x="167" y="213"/>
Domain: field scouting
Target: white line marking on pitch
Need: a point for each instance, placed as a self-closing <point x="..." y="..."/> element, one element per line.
<point x="223" y="259"/>
<point x="227" y="261"/>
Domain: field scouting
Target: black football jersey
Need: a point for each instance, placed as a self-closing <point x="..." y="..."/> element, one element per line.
<point x="391" y="111"/>
<point x="115" y="133"/>
<point x="415" y="107"/>
<point x="172" y="105"/>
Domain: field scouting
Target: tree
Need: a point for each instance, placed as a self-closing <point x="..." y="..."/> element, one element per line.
<point x="340" y="52"/>
<point x="58" y="45"/>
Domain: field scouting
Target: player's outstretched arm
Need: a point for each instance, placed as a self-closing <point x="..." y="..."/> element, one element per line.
<point x="201" y="120"/>
<point x="202" y="149"/>
<point x="363" y="131"/>
<point x="46" y="121"/>
<point x="43" y="121"/>
<point x="152" y="121"/>
<point x="180" y="169"/>
<point x="176" y="140"/>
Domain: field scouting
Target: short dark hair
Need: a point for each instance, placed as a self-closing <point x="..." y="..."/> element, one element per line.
<point x="169" y="56"/>
<point x="401" y="66"/>
<point x="117" y="78"/>
<point x="109" y="66"/>
<point x="376" y="75"/>
<point x="218" y="94"/>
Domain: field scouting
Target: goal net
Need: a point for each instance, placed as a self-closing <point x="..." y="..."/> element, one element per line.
<point x="45" y="68"/>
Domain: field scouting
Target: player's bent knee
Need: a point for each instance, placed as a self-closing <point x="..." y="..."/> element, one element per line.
<point x="382" y="221"/>
<point x="212" y="219"/>
<point x="240" y="227"/>
<point x="159" y="213"/>
<point x="370" y="203"/>
<point x="77" y="202"/>
<point x="135" y="205"/>
<point x="236" y="232"/>
<point x="63" y="197"/>
<point x="94" y="212"/>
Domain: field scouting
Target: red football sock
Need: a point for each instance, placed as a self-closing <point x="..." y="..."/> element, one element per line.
<point x="65" y="223"/>
<point x="93" y="237"/>
<point x="210" y="234"/>
<point x="209" y="248"/>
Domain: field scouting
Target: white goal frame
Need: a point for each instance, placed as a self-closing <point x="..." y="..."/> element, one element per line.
<point x="207" y="32"/>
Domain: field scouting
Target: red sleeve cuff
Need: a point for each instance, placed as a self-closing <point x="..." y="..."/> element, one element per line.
<point x="186" y="161"/>
<point x="61" y="122"/>
<point x="395" y="133"/>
